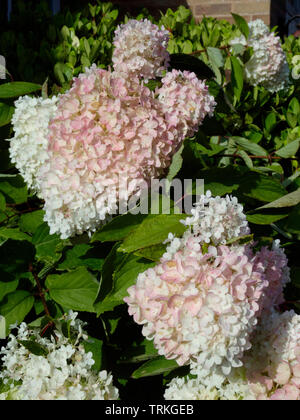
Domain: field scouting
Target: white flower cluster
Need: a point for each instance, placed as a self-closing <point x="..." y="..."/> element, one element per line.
<point x="277" y="339"/>
<point x="141" y="49"/>
<point x="258" y="28"/>
<point x="29" y="146"/>
<point x="189" y="389"/>
<point x="268" y="65"/>
<point x="271" y="368"/>
<point x="62" y="373"/>
<point x="193" y="389"/>
<point x="217" y="219"/>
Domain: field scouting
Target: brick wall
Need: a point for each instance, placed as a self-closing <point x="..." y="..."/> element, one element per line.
<point x="250" y="9"/>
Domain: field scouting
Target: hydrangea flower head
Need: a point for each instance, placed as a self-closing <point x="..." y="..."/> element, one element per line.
<point x="271" y="368"/>
<point x="28" y="147"/>
<point x="186" y="100"/>
<point x="199" y="308"/>
<point x="62" y="373"/>
<point x="105" y="128"/>
<point x="109" y="135"/>
<point x="217" y="220"/>
<point x="268" y="65"/>
<point x="140" y="49"/>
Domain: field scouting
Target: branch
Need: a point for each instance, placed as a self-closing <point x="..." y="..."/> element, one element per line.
<point x="41" y="293"/>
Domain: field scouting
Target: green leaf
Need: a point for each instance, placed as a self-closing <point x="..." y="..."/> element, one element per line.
<point x="114" y="287"/>
<point x="238" y="49"/>
<point x="290" y="150"/>
<point x="288" y="200"/>
<point x="215" y="56"/>
<point x="140" y="353"/>
<point x="155" y="367"/>
<point x="15" y="257"/>
<point x="221" y="181"/>
<point x="34" y="347"/>
<point x="2" y="332"/>
<point x="15" y="307"/>
<point x="250" y="146"/>
<point x="95" y="347"/>
<point x="111" y="264"/>
<point x="45" y="89"/>
<point x="237" y="77"/>
<point x="7" y="287"/>
<point x="2" y="202"/>
<point x="241" y="24"/>
<point x="214" y="37"/>
<point x="153" y="231"/>
<point x="270" y="122"/>
<point x="241" y="240"/>
<point x="65" y="32"/>
<point x="75" y="290"/>
<point x="292" y="119"/>
<point x="118" y="228"/>
<point x="81" y="255"/>
<point x="113" y="14"/>
<point x="29" y="222"/>
<point x="292" y="223"/>
<point x="187" y="47"/>
<point x="6" y="113"/>
<point x="153" y="84"/>
<point x="216" y="60"/>
<point x="266" y="217"/>
<point x="63" y="72"/>
<point x="176" y="164"/>
<point x="261" y="187"/>
<point x="59" y="72"/>
<point x="152" y="253"/>
<point x="15" y="234"/>
<point x="294" y="106"/>
<point x="87" y="47"/>
<point x="14" y="189"/>
<point x="14" y="89"/>
<point x="126" y="275"/>
<point x="246" y="158"/>
<point x="48" y="247"/>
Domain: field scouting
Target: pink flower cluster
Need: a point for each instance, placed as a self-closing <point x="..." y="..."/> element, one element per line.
<point x="180" y="95"/>
<point x="199" y="306"/>
<point x="273" y="262"/>
<point x="141" y="49"/>
<point x="108" y="128"/>
<point x="109" y="134"/>
<point x="201" y="303"/>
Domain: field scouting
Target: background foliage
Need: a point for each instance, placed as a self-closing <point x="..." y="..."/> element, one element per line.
<point x="249" y="148"/>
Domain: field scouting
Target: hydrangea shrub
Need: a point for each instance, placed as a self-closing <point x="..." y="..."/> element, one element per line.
<point x="210" y="296"/>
